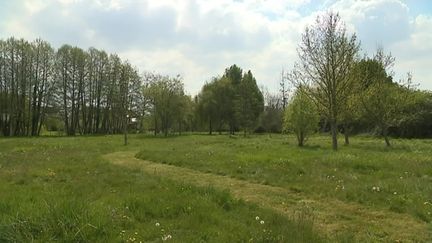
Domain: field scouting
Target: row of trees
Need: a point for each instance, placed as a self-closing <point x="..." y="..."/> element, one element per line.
<point x="90" y="91"/>
<point x="351" y="94"/>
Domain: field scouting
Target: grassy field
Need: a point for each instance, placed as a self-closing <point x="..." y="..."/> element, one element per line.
<point x="67" y="189"/>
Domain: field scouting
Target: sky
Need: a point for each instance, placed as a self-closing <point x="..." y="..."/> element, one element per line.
<point x="198" y="39"/>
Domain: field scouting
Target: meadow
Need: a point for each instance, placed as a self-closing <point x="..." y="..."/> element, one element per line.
<point x="200" y="188"/>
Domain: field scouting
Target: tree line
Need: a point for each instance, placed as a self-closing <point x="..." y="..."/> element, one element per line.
<point x="332" y="88"/>
<point x="80" y="91"/>
<point x="88" y="91"/>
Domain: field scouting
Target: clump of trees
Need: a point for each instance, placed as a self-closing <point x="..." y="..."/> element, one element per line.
<point x="233" y="100"/>
<point x="167" y="103"/>
<point x="352" y="93"/>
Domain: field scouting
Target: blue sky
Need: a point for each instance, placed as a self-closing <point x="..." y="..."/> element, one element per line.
<point x="200" y="38"/>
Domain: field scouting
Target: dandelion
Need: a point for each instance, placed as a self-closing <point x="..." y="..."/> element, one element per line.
<point x="262" y="222"/>
<point x="166" y="237"/>
<point x="256" y="218"/>
<point x="157" y="224"/>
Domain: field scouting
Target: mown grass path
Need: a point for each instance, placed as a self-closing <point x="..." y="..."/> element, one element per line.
<point x="331" y="216"/>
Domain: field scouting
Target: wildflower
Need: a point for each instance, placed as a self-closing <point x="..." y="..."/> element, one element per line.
<point x="257" y="218"/>
<point x="394" y="193"/>
<point x="167" y="237"/>
<point x="401" y="177"/>
<point x="157" y="224"/>
<point x="262" y="222"/>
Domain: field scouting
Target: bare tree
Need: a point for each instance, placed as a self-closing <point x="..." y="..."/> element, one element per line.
<point x="327" y="54"/>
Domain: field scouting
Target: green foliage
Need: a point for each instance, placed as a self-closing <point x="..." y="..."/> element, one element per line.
<point x="233" y="100"/>
<point x="301" y="117"/>
<point x="327" y="54"/>
<point x="417" y="118"/>
<point x="249" y="104"/>
<point x="383" y="103"/>
<point x="168" y="101"/>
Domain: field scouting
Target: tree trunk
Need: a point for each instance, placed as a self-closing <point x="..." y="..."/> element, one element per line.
<point x="155" y="125"/>
<point x="125" y="135"/>
<point x="300" y="139"/>
<point x="346" y="135"/>
<point x="210" y="127"/>
<point x="386" y="139"/>
<point x="333" y="127"/>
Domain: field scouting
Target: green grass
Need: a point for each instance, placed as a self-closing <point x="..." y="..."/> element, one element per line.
<point x="403" y="172"/>
<point x="61" y="189"/>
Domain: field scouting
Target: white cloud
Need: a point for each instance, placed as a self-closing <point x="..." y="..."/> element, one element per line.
<point x="200" y="38"/>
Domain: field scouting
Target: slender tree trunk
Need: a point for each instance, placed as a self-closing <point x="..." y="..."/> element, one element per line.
<point x="386" y="139"/>
<point x="210" y="127"/>
<point x="346" y="134"/>
<point x="125" y="131"/>
<point x="333" y="127"/>
<point x="300" y="139"/>
<point x="155" y="125"/>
